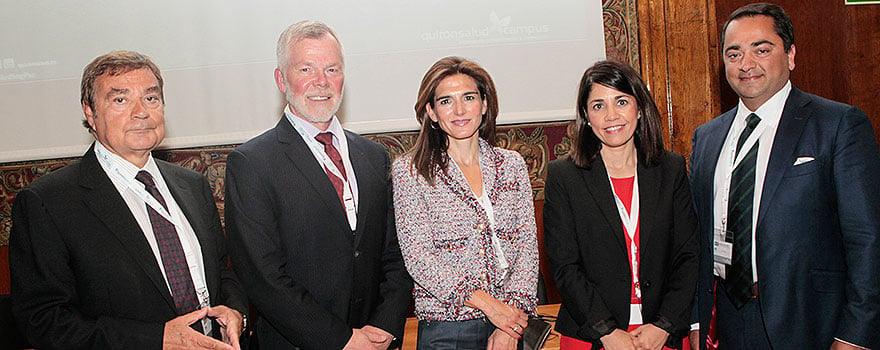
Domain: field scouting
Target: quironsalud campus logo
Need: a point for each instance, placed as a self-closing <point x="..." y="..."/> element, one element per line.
<point x="498" y="29"/>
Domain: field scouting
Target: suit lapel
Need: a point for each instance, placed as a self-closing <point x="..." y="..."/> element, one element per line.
<point x="299" y="154"/>
<point x="791" y="125"/>
<point x="596" y="182"/>
<point x="714" y="140"/>
<point x="105" y="203"/>
<point x="366" y="178"/>
<point x="185" y="198"/>
<point x="649" y="199"/>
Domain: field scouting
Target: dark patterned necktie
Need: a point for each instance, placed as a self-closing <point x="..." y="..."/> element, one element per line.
<point x="326" y="139"/>
<point x="173" y="258"/>
<point x="740" y="207"/>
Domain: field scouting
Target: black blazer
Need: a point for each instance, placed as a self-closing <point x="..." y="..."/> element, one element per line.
<point x="587" y="251"/>
<point x="311" y="279"/>
<point x="83" y="274"/>
<point x="818" y="228"/>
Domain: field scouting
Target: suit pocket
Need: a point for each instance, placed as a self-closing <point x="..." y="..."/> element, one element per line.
<point x="803" y="169"/>
<point x="827" y="281"/>
<point x="451" y="245"/>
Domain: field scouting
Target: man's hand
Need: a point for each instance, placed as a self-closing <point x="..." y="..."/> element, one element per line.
<point x="378" y="336"/>
<point x="362" y="340"/>
<point x="230" y="321"/>
<point x="178" y="334"/>
<point x="499" y="340"/>
<point x="649" y="337"/>
<point x="618" y="339"/>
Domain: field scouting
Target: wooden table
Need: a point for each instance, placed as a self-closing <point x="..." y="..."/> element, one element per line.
<point x="410" y="333"/>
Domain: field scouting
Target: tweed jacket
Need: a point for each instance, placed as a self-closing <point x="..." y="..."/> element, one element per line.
<point x="445" y="235"/>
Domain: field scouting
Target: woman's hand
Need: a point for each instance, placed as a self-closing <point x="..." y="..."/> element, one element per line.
<point x="618" y="339"/>
<point x="506" y="318"/>
<point x="500" y="340"/>
<point x="649" y="337"/>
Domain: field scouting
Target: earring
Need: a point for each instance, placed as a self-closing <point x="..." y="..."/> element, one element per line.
<point x="434" y="125"/>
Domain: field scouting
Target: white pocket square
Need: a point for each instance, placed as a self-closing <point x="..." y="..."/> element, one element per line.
<point x="802" y="160"/>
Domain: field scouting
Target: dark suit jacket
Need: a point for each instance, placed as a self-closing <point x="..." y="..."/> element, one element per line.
<point x="311" y="279"/>
<point x="83" y="274"/>
<point x="588" y="254"/>
<point x="818" y="228"/>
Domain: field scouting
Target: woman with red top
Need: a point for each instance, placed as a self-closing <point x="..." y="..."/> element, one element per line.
<point x="618" y="222"/>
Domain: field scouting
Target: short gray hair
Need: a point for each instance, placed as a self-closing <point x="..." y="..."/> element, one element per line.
<point x="307" y="29"/>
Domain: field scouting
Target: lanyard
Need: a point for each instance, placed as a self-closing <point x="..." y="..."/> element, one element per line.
<point x="733" y="162"/>
<point x="630" y="223"/>
<point x="138" y="189"/>
<point x="347" y="196"/>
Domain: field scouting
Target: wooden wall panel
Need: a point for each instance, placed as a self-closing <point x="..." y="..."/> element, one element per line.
<point x="838" y="52"/>
<point x="677" y="42"/>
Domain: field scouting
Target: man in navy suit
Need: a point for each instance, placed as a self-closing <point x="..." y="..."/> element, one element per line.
<point x="309" y="217"/>
<point x="787" y="193"/>
<point x="119" y="250"/>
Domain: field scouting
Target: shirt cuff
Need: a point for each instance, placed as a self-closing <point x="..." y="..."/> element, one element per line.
<point x="850" y="344"/>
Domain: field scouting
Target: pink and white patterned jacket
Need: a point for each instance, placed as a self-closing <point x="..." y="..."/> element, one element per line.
<point x="445" y="237"/>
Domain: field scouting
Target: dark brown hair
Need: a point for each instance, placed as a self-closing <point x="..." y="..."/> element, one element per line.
<point x="114" y="63"/>
<point x="431" y="144"/>
<point x="621" y="77"/>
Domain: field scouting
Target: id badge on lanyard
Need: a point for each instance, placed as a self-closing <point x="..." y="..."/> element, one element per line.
<point x="347" y="195"/>
<point x="630" y="222"/>
<point x="722" y="243"/>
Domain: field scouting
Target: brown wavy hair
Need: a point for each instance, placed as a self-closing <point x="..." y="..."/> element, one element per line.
<point x="429" y="151"/>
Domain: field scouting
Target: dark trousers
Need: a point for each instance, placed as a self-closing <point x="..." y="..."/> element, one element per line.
<point x="461" y="335"/>
<point x="739" y="329"/>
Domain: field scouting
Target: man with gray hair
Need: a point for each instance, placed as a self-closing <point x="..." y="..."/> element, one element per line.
<point x="309" y="216"/>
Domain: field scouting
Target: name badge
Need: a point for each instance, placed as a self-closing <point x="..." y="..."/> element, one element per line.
<point x="722" y="248"/>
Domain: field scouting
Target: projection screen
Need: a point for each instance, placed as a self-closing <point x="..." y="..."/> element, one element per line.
<point x="218" y="57"/>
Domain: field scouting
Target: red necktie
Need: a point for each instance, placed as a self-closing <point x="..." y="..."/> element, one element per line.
<point x="326" y="139"/>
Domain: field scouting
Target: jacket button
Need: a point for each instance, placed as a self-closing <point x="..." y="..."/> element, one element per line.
<point x="484" y="277"/>
<point x="647" y="284"/>
<point x="357" y="253"/>
<point x="481" y="252"/>
<point x="480" y="228"/>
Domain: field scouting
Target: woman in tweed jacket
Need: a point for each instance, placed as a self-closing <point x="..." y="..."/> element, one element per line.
<point x="465" y="216"/>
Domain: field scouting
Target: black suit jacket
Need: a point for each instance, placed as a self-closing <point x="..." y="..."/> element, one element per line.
<point x="83" y="274"/>
<point x="587" y="251"/>
<point x="818" y="228"/>
<point x="311" y="279"/>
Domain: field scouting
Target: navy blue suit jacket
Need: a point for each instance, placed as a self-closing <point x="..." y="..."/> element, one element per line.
<point x="818" y="230"/>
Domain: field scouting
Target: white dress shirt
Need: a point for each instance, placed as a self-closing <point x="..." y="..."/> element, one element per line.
<point x="770" y="113"/>
<point x="122" y="173"/>
<point x="339" y="141"/>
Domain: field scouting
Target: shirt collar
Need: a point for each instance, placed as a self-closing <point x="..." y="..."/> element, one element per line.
<point x="335" y="127"/>
<point x="770" y="111"/>
<point x="115" y="165"/>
